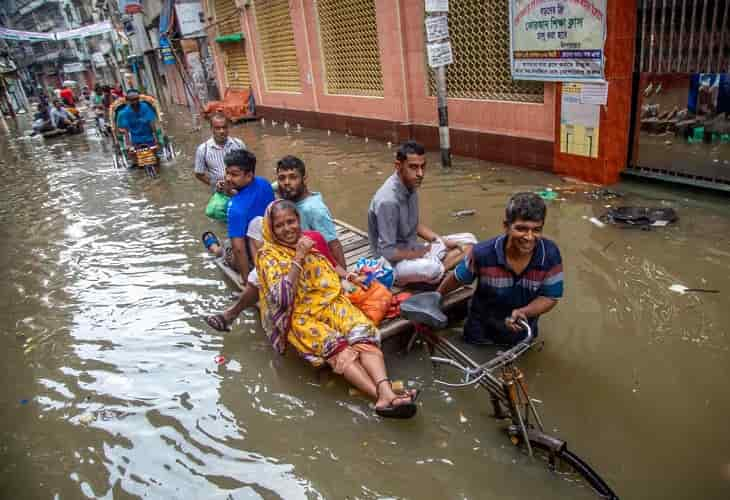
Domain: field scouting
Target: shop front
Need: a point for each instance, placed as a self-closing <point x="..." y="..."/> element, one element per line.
<point x="681" y="126"/>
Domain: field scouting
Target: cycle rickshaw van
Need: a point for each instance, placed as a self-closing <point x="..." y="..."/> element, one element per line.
<point x="140" y="158"/>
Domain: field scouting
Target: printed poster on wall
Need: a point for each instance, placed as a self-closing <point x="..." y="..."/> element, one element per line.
<point x="557" y="40"/>
<point x="579" y="122"/>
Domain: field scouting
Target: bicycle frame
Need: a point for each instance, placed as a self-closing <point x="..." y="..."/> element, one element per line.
<point x="508" y="388"/>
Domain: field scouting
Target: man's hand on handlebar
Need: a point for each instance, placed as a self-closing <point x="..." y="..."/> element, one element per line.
<point x="514" y="321"/>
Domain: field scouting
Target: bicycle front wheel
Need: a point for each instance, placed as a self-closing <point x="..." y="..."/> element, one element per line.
<point x="567" y="464"/>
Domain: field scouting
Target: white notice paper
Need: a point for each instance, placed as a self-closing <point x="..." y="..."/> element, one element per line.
<point x="439" y="54"/>
<point x="594" y="93"/>
<point x="437" y="6"/>
<point x="437" y="28"/>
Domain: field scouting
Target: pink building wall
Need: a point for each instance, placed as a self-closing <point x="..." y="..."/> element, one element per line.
<point x="405" y="101"/>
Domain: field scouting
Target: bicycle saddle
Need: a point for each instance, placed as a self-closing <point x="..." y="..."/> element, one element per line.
<point x="425" y="308"/>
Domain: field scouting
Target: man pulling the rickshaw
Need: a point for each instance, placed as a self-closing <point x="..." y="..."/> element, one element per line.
<point x="137" y="122"/>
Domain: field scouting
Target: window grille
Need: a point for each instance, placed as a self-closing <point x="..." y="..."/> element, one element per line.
<point x="349" y="38"/>
<point x="276" y="40"/>
<point x="479" y="32"/>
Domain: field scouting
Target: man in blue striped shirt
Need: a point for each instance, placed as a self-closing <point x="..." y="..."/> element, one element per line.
<point x="209" y="166"/>
<point x="519" y="276"/>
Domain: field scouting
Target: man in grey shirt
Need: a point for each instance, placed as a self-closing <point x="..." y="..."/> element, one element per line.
<point x="394" y="228"/>
<point x="209" y="166"/>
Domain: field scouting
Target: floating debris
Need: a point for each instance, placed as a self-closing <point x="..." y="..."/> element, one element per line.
<point x="681" y="289"/>
<point x="597" y="222"/>
<point x="641" y="216"/>
<point x="463" y="213"/>
<point x="603" y="194"/>
<point x="219" y="360"/>
<point x="87" y="418"/>
<point x="547" y="194"/>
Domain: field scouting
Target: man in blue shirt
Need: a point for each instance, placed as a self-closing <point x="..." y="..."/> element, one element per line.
<point x="251" y="197"/>
<point x="137" y="121"/>
<point x="291" y="176"/>
<point x="519" y="276"/>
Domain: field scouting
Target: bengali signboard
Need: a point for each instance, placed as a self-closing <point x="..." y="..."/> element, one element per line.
<point x="439" y="54"/>
<point x="437" y="28"/>
<point x="188" y="18"/>
<point x="557" y="40"/>
<point x="433" y="6"/>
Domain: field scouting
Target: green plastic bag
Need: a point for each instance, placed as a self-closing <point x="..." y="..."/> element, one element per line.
<point x="217" y="206"/>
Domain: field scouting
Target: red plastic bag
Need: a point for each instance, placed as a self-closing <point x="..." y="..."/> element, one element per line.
<point x="374" y="301"/>
<point x="394" y="309"/>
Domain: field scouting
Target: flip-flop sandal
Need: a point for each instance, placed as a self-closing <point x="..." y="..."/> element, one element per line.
<point x="218" y="322"/>
<point x="402" y="411"/>
<point x="209" y="238"/>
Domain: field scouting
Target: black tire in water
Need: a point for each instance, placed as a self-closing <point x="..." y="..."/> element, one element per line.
<point x="579" y="467"/>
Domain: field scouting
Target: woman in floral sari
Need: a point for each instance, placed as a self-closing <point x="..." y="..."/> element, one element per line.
<point x="303" y="305"/>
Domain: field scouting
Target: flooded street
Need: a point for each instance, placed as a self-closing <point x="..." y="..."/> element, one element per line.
<point x="111" y="389"/>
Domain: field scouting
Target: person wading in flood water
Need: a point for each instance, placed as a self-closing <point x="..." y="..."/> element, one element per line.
<point x="519" y="276"/>
<point x="304" y="306"/>
<point x="394" y="226"/>
<point x="209" y="166"/>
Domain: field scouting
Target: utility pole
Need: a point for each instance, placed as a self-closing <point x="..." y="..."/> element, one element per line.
<point x="438" y="48"/>
<point x="443" y="110"/>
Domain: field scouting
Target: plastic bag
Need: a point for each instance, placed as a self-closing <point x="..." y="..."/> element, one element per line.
<point x="380" y="269"/>
<point x="373" y="301"/>
<point x="218" y="206"/>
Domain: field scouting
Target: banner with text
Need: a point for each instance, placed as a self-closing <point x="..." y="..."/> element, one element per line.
<point x="557" y="40"/>
<point x="36" y="36"/>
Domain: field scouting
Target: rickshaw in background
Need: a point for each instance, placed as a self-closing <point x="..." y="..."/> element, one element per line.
<point x="146" y="157"/>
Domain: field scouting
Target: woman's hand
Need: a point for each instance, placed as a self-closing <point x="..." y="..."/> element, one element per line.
<point x="356" y="279"/>
<point x="304" y="246"/>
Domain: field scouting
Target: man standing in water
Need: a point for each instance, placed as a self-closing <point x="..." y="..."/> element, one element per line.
<point x="209" y="166"/>
<point x="394" y="226"/>
<point x="519" y="276"/>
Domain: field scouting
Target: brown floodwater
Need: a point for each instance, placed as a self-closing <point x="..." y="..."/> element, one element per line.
<point x="111" y="389"/>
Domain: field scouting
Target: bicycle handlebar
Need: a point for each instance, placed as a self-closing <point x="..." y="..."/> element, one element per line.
<point x="473" y="376"/>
